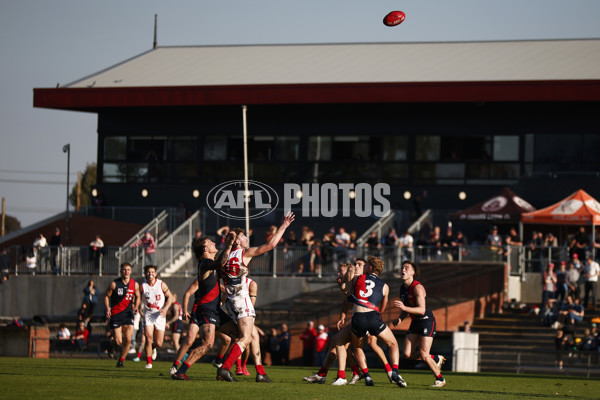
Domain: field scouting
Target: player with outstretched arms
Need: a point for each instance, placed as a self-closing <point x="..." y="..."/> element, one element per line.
<point x="239" y="303"/>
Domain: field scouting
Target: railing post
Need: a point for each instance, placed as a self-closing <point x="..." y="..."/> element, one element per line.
<point x="17" y="258"/>
<point x="275" y="262"/>
<point x="100" y="264"/>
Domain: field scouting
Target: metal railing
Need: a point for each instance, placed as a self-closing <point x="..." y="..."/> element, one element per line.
<point x="175" y="250"/>
<point x="381" y="225"/>
<point x="158" y="228"/>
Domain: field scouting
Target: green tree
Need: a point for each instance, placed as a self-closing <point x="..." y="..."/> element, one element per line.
<point x="88" y="180"/>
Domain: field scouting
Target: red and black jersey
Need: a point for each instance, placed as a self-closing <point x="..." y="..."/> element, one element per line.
<point x="121" y="298"/>
<point x="368" y="291"/>
<point x="408" y="297"/>
<point x="208" y="295"/>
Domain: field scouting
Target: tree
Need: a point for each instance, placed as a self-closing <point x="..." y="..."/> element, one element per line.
<point x="88" y="181"/>
<point x="11" y="224"/>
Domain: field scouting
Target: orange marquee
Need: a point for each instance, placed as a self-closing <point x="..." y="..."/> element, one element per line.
<point x="578" y="209"/>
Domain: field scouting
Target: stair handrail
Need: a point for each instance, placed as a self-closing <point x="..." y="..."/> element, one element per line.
<point x="178" y="242"/>
<point x="157" y="228"/>
<point x="380" y="225"/>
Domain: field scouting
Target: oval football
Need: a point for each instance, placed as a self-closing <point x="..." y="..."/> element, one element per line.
<point x="394" y="18"/>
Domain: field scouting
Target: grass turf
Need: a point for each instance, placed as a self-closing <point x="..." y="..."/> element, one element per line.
<point x="23" y="378"/>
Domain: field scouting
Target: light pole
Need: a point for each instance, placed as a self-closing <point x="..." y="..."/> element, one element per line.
<point x="67" y="149"/>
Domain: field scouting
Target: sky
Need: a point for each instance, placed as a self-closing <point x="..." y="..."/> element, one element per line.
<point x="43" y="43"/>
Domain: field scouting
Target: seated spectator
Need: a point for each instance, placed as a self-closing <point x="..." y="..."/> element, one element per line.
<point x="588" y="343"/>
<point x="577" y="311"/>
<point x="564" y="310"/>
<point x="80" y="339"/>
<point x="373" y="243"/>
<point x="447" y="242"/>
<point x="63" y="336"/>
<point x="550" y="313"/>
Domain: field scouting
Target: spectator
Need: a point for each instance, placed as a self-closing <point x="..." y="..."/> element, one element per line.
<point x="573" y="279"/>
<point x="96" y="252"/>
<point x="590" y="281"/>
<point x="551" y="245"/>
<point x="577" y="311"/>
<point x="560" y="344"/>
<point x="535" y="246"/>
<point x="550" y="313"/>
<point x="373" y="244"/>
<point x="513" y="238"/>
<point x="284" y="344"/>
<point x="342" y="238"/>
<point x="588" y="343"/>
<point x="80" y="339"/>
<point x="447" y="242"/>
<point x="391" y="239"/>
<point x="149" y="245"/>
<point x="460" y="244"/>
<point x="321" y="343"/>
<point x="561" y="282"/>
<point x="494" y="241"/>
<point x="90" y="298"/>
<point x="274" y="347"/>
<point x="406" y="243"/>
<point x="55" y="246"/>
<point x="31" y="259"/>
<point x="63" y="337"/>
<point x="41" y="246"/>
<point x="579" y="244"/>
<point x="549" y="285"/>
<point x="563" y="312"/>
<point x="308" y="344"/>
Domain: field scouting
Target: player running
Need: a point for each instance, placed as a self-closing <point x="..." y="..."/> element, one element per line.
<point x="122" y="301"/>
<point x="422" y="328"/>
<point x="239" y="303"/>
<point x="154" y="309"/>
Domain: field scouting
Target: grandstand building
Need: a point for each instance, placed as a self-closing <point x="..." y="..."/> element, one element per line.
<point x="433" y="119"/>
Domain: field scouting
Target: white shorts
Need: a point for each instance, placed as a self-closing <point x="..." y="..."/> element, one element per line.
<point x="154" y="318"/>
<point x="240" y="307"/>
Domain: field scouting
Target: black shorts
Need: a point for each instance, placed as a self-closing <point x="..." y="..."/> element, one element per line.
<point x="120" y="319"/>
<point x="424" y="326"/>
<point x="367" y="322"/>
<point x="210" y="316"/>
<point x="177" y="326"/>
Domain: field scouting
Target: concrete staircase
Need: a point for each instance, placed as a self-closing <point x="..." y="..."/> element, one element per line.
<point x="517" y="342"/>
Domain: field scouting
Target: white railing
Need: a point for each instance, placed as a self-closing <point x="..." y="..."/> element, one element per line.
<point x="158" y="228"/>
<point x="177" y="244"/>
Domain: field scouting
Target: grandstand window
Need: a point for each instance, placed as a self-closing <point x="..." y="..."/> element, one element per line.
<point x="352" y="148"/>
<point x="558" y="149"/>
<point x="506" y="148"/>
<point x="115" y="148"/>
<point x="319" y="148"/>
<point x="114" y="173"/>
<point x="260" y="148"/>
<point x="287" y="148"/>
<point x="395" y="148"/>
<point x="215" y="148"/>
<point x="181" y="148"/>
<point x="144" y="148"/>
<point x="427" y="148"/>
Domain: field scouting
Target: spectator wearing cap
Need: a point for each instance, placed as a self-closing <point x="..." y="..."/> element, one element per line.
<point x="549" y="285"/>
<point x="321" y="343"/>
<point x="573" y="276"/>
<point x="577" y="262"/>
<point x="147" y="242"/>
<point x="561" y="282"/>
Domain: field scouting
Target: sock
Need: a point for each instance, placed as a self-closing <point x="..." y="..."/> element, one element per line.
<point x="175" y="363"/>
<point x="322" y="371"/>
<point x="220" y="358"/>
<point x="260" y="370"/>
<point x="238" y="363"/>
<point x="439" y="378"/>
<point x="387" y="367"/>
<point x="395" y="367"/>
<point x="435" y="358"/>
<point x="366" y="371"/>
<point x="183" y="369"/>
<point x="234" y="354"/>
<point x="121" y="359"/>
<point x="244" y="362"/>
<point x="341" y="374"/>
<point x="149" y="360"/>
<point x="139" y="354"/>
<point x="355" y="370"/>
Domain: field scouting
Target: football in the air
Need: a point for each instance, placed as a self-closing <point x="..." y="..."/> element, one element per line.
<point x="394" y="18"/>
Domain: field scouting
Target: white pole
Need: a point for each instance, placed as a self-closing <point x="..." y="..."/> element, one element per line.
<point x="246" y="193"/>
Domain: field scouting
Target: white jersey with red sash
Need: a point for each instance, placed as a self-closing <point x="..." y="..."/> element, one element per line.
<point x="237" y="286"/>
<point x="153" y="297"/>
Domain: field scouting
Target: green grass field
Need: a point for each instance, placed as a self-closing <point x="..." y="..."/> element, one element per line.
<point x="23" y="378"/>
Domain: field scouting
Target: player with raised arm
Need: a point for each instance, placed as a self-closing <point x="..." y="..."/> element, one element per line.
<point x="122" y="301"/>
<point x="239" y="303"/>
<point x="154" y="308"/>
<point x="422" y="328"/>
<point x="207" y="313"/>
